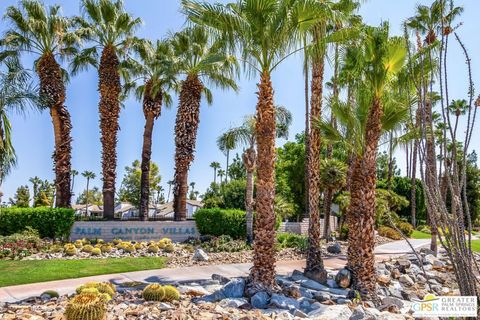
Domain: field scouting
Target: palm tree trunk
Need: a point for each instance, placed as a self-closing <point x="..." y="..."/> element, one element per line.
<point x="262" y="274"/>
<point x="327" y="208"/>
<point x="145" y="167"/>
<point x="86" y="204"/>
<point x="226" y="170"/>
<point x="307" y="129"/>
<point x="186" y="126"/>
<point x="315" y="268"/>
<point x="109" y="108"/>
<point x="249" y="159"/>
<point x="215" y="175"/>
<point x="431" y="170"/>
<point x="390" y="162"/>
<point x="361" y="235"/>
<point x="52" y="89"/>
<point x="413" y="196"/>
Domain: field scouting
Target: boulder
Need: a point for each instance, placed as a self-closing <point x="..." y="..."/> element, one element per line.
<point x="234" y="288"/>
<point x="332" y="283"/>
<point x="392" y="300"/>
<point x="343" y="278"/>
<point x="322" y="296"/>
<point x="361" y="313"/>
<point x="200" y="255"/>
<point x="299" y="314"/>
<point x="403" y="264"/>
<point x="283" y="302"/>
<point x="319" y="276"/>
<point x="430" y="259"/>
<point x="196" y="291"/>
<point x="221" y="279"/>
<point x="383" y="279"/>
<point x="260" y="300"/>
<point x="334" y="248"/>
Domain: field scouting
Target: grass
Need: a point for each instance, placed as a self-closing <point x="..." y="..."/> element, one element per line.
<point x="420" y="235"/>
<point x="476" y="245"/>
<point x="31" y="271"/>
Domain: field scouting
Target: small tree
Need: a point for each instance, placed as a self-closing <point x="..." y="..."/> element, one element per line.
<point x="21" y="198"/>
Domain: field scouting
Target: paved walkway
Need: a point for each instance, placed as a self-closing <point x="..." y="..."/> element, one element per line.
<point x="14" y="293"/>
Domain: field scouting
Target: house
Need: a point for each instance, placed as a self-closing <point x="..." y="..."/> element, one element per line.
<point x="125" y="211"/>
<point x="165" y="211"/>
<point x="90" y="210"/>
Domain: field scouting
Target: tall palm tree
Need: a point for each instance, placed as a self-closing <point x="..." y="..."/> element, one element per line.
<point x="383" y="59"/>
<point x="245" y="135"/>
<point x="225" y="145"/>
<point x="203" y="61"/>
<point x="111" y="29"/>
<point x="215" y="166"/>
<point x="89" y="175"/>
<point x="47" y="34"/>
<point x="263" y="31"/>
<point x="221" y="174"/>
<point x="16" y="95"/>
<point x="156" y="66"/>
<point x="170" y="184"/>
<point x="73" y="173"/>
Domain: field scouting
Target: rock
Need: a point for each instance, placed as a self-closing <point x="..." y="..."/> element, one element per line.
<point x="335" y="312"/>
<point x="429" y="259"/>
<point x="421" y="279"/>
<point x="361" y="313"/>
<point x="300" y="314"/>
<point x="234" y="288"/>
<point x="196" y="291"/>
<point x="316" y="305"/>
<point x="426" y="251"/>
<point x="297" y="275"/>
<point x="343" y="278"/>
<point x="200" y="255"/>
<point x="405" y="279"/>
<point x="414" y="269"/>
<point x="260" y="300"/>
<point x="322" y="296"/>
<point x="392" y="300"/>
<point x="334" y="248"/>
<point x="390" y="316"/>
<point x="439" y="264"/>
<point x="306" y="293"/>
<point x="383" y="279"/>
<point x="282" y="302"/>
<point x="292" y="291"/>
<point x="221" y="279"/>
<point x="213" y="297"/>
<point x="165" y="306"/>
<point x="233" y="303"/>
<point x="343" y="301"/>
<point x="445" y="291"/>
<point x="403" y="264"/>
<point x="332" y="283"/>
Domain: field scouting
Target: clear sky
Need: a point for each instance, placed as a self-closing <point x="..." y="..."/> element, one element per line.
<point x="33" y="134"/>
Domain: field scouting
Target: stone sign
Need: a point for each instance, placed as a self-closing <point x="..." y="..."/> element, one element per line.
<point x="134" y="230"/>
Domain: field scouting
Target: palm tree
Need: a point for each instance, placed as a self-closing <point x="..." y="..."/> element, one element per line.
<point x="215" y="166"/>
<point x="333" y="176"/>
<point x="89" y="175"/>
<point x="377" y="111"/>
<point x="106" y="24"/>
<point x="47" y="34"/>
<point x="245" y="135"/>
<point x="155" y="66"/>
<point x="263" y="31"/>
<point x="192" y="191"/>
<point x="170" y="184"/>
<point x="16" y="94"/>
<point x="221" y="174"/>
<point x="202" y="60"/>
<point x="73" y="173"/>
<point x="225" y="145"/>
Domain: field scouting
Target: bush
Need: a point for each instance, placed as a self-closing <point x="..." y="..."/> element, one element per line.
<point x="224" y="244"/>
<point x="20" y="245"/>
<point x="49" y="222"/>
<point x="292" y="240"/>
<point x="406" y="228"/>
<point x="218" y="222"/>
<point x="390" y="233"/>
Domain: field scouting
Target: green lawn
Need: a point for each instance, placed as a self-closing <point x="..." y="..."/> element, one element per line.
<point x="420" y="235"/>
<point x="31" y="271"/>
<point x="476" y="245"/>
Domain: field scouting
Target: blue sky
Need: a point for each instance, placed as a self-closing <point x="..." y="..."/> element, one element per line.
<point x="33" y="134"/>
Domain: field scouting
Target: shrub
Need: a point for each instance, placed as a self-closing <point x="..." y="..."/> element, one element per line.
<point x="217" y="222"/>
<point x="224" y="244"/>
<point x="388" y="232"/>
<point x="49" y="222"/>
<point x="51" y="293"/>
<point x="20" y="245"/>
<point x="405" y="227"/>
<point x="292" y="240"/>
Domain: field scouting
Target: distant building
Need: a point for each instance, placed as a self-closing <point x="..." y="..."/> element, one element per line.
<point x="90" y="210"/>
<point x="165" y="211"/>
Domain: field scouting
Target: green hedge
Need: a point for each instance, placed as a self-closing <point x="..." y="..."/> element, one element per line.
<point x="218" y="222"/>
<point x="49" y="222"/>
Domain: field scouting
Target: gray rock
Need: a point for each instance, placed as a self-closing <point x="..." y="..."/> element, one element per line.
<point x="405" y="279"/>
<point x="300" y="314"/>
<point x="414" y="269"/>
<point x="429" y="259"/>
<point x="233" y="303"/>
<point x="234" y="288"/>
<point x="439" y="264"/>
<point x="343" y="301"/>
<point x="343" y="278"/>
<point x="334" y="248"/>
<point x="200" y="255"/>
<point x="195" y="290"/>
<point x="306" y="293"/>
<point x="305" y="303"/>
<point x="297" y="275"/>
<point x="426" y="251"/>
<point x="392" y="300"/>
<point x="322" y="296"/>
<point x="283" y="302"/>
<point x="260" y="300"/>
<point x="361" y="313"/>
<point x="316" y="305"/>
<point x="213" y="297"/>
<point x="221" y="279"/>
<point x="332" y="283"/>
<point x="403" y="264"/>
<point x="390" y="316"/>
<point x="421" y="279"/>
<point x="164" y="306"/>
<point x="335" y="312"/>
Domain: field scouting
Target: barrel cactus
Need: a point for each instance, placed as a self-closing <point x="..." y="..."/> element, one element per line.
<point x="169" y="248"/>
<point x="102" y="287"/>
<point x="152" y="249"/>
<point x="106" y="248"/>
<point x="138" y="246"/>
<point x="70" y="249"/>
<point x="116" y="241"/>
<point x="96" y="252"/>
<point x="171" y="293"/>
<point x="130" y="248"/>
<point x="162" y="244"/>
<point x="153" y="292"/>
<point x="86" y="306"/>
<point x="87" y="248"/>
<point x="78" y="244"/>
